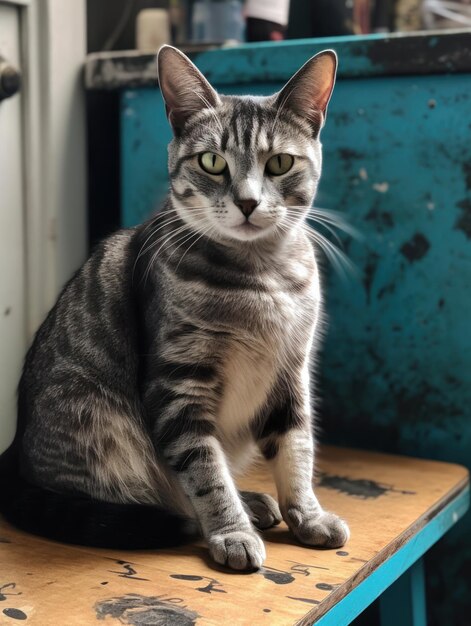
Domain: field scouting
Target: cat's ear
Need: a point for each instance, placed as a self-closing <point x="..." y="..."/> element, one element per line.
<point x="308" y="92"/>
<point x="184" y="88"/>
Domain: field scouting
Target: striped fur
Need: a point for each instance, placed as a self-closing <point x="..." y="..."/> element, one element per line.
<point x="180" y="352"/>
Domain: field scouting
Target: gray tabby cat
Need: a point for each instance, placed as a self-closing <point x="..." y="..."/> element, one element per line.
<point x="181" y="350"/>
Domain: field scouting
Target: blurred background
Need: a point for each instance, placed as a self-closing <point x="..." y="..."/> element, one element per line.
<point x="114" y="25"/>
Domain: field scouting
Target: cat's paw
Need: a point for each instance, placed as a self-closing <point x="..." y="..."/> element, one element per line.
<point x="240" y="550"/>
<point x="264" y="511"/>
<point x="322" y="529"/>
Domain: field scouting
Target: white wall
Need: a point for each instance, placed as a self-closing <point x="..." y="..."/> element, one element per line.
<point x="42" y="175"/>
<point x="12" y="277"/>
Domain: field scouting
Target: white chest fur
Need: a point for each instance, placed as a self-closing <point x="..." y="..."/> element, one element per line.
<point x="249" y="374"/>
<point x="255" y="358"/>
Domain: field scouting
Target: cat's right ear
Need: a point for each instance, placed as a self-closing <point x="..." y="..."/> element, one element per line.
<point x="184" y="88"/>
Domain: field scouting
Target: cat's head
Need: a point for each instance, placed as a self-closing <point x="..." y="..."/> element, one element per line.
<point x="243" y="167"/>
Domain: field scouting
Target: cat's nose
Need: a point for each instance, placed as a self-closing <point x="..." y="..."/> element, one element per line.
<point x="247" y="206"/>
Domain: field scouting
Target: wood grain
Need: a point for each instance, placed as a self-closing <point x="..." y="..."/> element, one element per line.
<point x="385" y="499"/>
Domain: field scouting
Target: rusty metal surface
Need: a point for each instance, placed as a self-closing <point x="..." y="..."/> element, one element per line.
<point x="370" y="55"/>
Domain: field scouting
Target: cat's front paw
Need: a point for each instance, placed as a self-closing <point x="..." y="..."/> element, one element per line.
<point x="263" y="509"/>
<point x="240" y="550"/>
<point x="321" y="529"/>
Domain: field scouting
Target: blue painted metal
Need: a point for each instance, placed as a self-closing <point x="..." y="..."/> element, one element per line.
<point x="361" y="596"/>
<point x="404" y="601"/>
<point x="373" y="55"/>
<point x="145" y="134"/>
<point x="396" y="369"/>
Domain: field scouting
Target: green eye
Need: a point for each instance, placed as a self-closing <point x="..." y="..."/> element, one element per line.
<point x="279" y="164"/>
<point x="212" y="163"/>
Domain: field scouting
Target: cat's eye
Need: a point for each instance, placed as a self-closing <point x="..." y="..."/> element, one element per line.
<point x="212" y="163"/>
<point x="279" y="164"/>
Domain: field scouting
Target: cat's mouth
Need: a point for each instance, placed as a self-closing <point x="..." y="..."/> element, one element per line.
<point x="247" y="231"/>
<point x="248" y="227"/>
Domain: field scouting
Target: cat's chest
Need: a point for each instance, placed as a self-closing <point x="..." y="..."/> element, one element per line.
<point x="281" y="328"/>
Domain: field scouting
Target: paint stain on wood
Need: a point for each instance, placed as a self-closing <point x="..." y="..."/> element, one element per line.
<point x="308" y="600"/>
<point x="212" y="585"/>
<point x="8" y="590"/>
<point x="139" y="610"/>
<point x="276" y="576"/>
<point x="129" y="571"/>
<point x="364" y="488"/>
<point x="15" y="614"/>
<point x="304" y="568"/>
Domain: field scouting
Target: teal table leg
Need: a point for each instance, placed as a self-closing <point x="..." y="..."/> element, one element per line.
<point x="404" y="602"/>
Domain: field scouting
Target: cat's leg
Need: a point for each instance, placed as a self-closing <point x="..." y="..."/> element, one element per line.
<point x="184" y="435"/>
<point x="202" y="471"/>
<point x="263" y="510"/>
<point x="293" y="470"/>
<point x="287" y="443"/>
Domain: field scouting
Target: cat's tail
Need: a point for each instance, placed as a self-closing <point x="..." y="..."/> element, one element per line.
<point x="83" y="520"/>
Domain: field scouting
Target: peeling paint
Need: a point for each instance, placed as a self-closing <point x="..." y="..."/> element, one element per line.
<point x="381" y="187"/>
<point x="463" y="222"/>
<point x="415" y="248"/>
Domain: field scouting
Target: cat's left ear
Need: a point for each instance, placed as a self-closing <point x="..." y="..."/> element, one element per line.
<point x="184" y="88"/>
<point x="308" y="92"/>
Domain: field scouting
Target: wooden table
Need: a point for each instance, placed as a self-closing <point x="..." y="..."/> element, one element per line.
<point x="397" y="507"/>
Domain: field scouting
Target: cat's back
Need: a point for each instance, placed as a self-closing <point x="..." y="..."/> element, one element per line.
<point x="91" y="328"/>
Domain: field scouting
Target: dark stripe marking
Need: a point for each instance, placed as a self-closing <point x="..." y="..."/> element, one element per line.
<point x="282" y="418"/>
<point x="269" y="449"/>
<point x="184" y="424"/>
<point x="207" y="490"/>
<point x="186" y="371"/>
<point x="186" y="459"/>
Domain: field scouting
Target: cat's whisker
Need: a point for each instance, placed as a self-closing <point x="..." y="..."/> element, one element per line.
<point x="182" y="242"/>
<point x="170" y="238"/>
<point x="168" y="241"/>
<point x="326" y="225"/>
<point x="330" y="230"/>
<point x="340" y="261"/>
<point x="334" y="218"/>
<point x="153" y="244"/>
<point x="204" y="233"/>
<point x="199" y="210"/>
<point x="166" y="223"/>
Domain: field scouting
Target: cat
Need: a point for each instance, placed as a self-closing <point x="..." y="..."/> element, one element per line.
<point x="181" y="351"/>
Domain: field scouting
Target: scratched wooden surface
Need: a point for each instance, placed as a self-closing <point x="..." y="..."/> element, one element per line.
<point x="386" y="499"/>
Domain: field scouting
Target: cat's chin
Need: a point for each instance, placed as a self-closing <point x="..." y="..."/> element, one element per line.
<point x="247" y="232"/>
